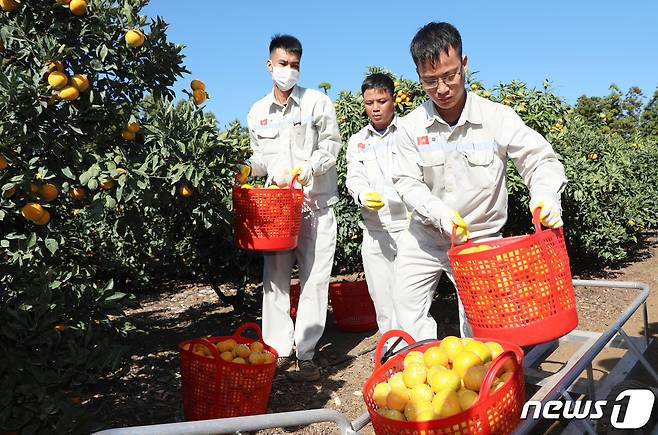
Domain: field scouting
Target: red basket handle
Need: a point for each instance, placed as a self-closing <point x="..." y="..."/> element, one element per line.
<point x="207" y="343"/>
<point x="393" y="333"/>
<point x="493" y="369"/>
<point x="294" y="179"/>
<point x="238" y="332"/>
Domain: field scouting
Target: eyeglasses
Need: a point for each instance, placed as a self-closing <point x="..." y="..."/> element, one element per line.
<point x="448" y="80"/>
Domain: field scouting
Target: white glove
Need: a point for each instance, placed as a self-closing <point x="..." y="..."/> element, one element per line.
<point x="551" y="212"/>
<point x="243" y="174"/>
<point x="449" y="219"/>
<point x="304" y="172"/>
<point x="283" y="179"/>
<point x="371" y="200"/>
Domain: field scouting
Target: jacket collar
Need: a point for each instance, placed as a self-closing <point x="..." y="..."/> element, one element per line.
<point x="471" y="112"/>
<point x="295" y="95"/>
<point x="391" y="127"/>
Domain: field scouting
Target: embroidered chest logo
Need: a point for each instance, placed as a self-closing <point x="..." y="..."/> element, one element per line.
<point x="263" y="122"/>
<point x="422" y="140"/>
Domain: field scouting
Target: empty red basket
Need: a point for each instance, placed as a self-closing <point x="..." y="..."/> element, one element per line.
<point x="351" y="303"/>
<point x="493" y="413"/>
<point x="352" y="306"/>
<point x="267" y="219"/>
<point x="214" y="388"/>
<point x="520" y="290"/>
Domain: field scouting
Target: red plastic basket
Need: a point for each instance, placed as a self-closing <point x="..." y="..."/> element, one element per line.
<point x="520" y="290"/>
<point x="498" y="412"/>
<point x="352" y="306"/>
<point x="214" y="388"/>
<point x="267" y="219"/>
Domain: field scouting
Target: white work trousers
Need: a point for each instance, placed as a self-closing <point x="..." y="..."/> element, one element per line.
<point x="378" y="251"/>
<point x="418" y="268"/>
<point x="315" y="257"/>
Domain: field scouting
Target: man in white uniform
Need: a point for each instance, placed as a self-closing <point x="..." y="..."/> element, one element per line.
<point x="293" y="130"/>
<point x="452" y="154"/>
<point x="370" y="154"/>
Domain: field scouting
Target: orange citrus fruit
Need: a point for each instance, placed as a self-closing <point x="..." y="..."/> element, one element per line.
<point x="78" y="7"/>
<point x="445" y="380"/>
<point x="242" y="350"/>
<point x="57" y="80"/>
<point x="44" y="219"/>
<point x="380" y="393"/>
<point x="127" y="135"/>
<point x="435" y="355"/>
<point x="32" y="211"/>
<point x="198" y="84"/>
<point x="414" y="374"/>
<point x="414" y="357"/>
<point x="474" y="376"/>
<point x="464" y="360"/>
<point x="393" y="414"/>
<point x="107" y="184"/>
<point x="452" y="345"/>
<point x="421" y="391"/>
<point x="8" y="5"/>
<point x="467" y="398"/>
<point x="419" y="410"/>
<point x="480" y="349"/>
<point x="185" y="191"/>
<point x="78" y="193"/>
<point x="199" y="96"/>
<point x="397" y="399"/>
<point x="69" y="93"/>
<point x="48" y="192"/>
<point x="134" y="38"/>
<point x="80" y="82"/>
<point x="133" y="127"/>
<point x="256" y="346"/>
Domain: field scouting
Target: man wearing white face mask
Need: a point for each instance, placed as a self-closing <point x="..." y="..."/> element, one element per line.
<point x="293" y="130"/>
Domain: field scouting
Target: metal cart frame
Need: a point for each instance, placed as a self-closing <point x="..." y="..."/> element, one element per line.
<point x="553" y="386"/>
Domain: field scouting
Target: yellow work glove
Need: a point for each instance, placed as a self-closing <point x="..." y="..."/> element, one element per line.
<point x="551" y="213"/>
<point x="243" y="174"/>
<point x="449" y="219"/>
<point x="371" y="200"/>
<point x="304" y="173"/>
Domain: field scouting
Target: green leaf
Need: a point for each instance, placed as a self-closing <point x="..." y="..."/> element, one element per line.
<point x="52" y="245"/>
<point x="67" y="172"/>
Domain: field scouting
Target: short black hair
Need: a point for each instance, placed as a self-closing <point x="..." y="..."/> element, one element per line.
<point x="287" y="42"/>
<point x="433" y="39"/>
<point x="378" y="81"/>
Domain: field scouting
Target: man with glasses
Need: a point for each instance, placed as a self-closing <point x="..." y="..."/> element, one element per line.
<point x="452" y="155"/>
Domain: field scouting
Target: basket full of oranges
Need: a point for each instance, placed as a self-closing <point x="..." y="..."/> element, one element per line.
<point x="450" y="386"/>
<point x="226" y="376"/>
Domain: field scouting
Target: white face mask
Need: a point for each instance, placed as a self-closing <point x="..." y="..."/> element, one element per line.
<point x="285" y="78"/>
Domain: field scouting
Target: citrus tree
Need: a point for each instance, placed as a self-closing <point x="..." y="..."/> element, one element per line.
<point x="102" y="179"/>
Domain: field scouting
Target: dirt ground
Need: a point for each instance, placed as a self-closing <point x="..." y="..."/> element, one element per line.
<point x="148" y="390"/>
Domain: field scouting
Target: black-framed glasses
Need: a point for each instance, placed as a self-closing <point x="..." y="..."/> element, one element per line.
<point x="449" y="80"/>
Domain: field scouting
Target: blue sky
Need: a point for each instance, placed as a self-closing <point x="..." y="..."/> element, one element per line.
<point x="581" y="46"/>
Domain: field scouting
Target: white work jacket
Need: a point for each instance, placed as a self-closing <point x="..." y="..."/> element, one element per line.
<point x="370" y="159"/>
<point x="303" y="130"/>
<point x="463" y="167"/>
